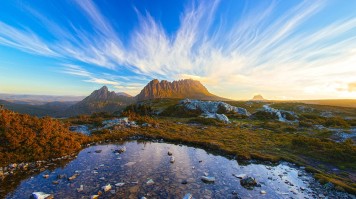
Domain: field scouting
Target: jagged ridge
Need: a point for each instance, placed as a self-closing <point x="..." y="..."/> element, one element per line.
<point x="186" y="88"/>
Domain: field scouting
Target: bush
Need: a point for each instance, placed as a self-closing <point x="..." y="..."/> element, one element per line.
<point x="180" y="111"/>
<point x="140" y="109"/>
<point x="336" y="122"/>
<point x="27" y="138"/>
<point x="264" y="115"/>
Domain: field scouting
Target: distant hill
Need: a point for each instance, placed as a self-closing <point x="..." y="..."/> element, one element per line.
<point x="101" y="100"/>
<point x="333" y="102"/>
<point x="258" y="98"/>
<point x="47" y="109"/>
<point x="181" y="89"/>
<point x="38" y="99"/>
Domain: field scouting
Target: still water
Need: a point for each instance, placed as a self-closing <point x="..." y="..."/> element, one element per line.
<point x="145" y="170"/>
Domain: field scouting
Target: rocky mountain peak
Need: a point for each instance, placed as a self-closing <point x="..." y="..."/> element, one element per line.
<point x="103" y="94"/>
<point x="186" y="88"/>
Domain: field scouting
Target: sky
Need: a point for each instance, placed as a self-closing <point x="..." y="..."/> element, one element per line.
<point x="237" y="48"/>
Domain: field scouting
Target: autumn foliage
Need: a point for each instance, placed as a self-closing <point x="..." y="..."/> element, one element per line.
<point x="26" y="138"/>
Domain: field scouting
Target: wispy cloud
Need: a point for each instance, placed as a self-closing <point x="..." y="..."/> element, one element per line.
<point x="257" y="51"/>
<point x="89" y="77"/>
<point x="24" y="40"/>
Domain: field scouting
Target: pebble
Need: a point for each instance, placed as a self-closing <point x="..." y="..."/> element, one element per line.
<point x="184" y="182"/>
<point x="170" y="153"/>
<point x="241" y="176"/>
<point x="41" y="195"/>
<point x="150" y="182"/>
<point x="81" y="188"/>
<point x="263" y="192"/>
<point x="106" y="187"/>
<point x="130" y="164"/>
<point x="73" y="177"/>
<point x="207" y="179"/>
<point x="120" y="184"/>
<point x="188" y="196"/>
<point x="172" y="159"/>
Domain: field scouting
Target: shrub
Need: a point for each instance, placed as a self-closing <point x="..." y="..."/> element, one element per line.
<point x="180" y="111"/>
<point x="140" y="109"/>
<point x="27" y="138"/>
<point x="264" y="115"/>
<point x="206" y="121"/>
<point x="336" y="122"/>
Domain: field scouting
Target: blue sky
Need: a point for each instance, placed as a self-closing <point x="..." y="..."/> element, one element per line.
<point x="237" y="48"/>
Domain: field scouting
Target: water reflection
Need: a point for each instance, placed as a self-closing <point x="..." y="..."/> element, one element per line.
<point x="144" y="162"/>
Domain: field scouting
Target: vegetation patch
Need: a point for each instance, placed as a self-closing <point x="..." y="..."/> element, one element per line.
<point x="25" y="138"/>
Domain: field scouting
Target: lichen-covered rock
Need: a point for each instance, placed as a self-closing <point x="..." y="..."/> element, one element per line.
<point x="283" y="116"/>
<point x="213" y="109"/>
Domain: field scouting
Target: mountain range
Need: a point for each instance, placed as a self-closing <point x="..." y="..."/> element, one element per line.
<point x="103" y="100"/>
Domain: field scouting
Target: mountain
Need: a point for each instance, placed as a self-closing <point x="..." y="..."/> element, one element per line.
<point x="101" y="100"/>
<point x="258" y="98"/>
<point x="181" y="89"/>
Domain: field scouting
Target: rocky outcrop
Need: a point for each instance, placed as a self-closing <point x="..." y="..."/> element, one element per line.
<point x="212" y="109"/>
<point x="181" y="89"/>
<point x="269" y="113"/>
<point x="283" y="116"/>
